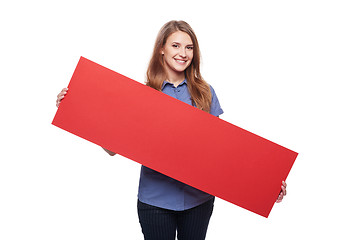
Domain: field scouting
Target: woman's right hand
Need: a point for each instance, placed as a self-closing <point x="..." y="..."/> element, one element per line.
<point x="60" y="96"/>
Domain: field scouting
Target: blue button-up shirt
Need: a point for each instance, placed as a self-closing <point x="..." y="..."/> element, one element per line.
<point x="162" y="191"/>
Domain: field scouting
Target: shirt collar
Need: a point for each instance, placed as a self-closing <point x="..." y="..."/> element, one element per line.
<point x="166" y="82"/>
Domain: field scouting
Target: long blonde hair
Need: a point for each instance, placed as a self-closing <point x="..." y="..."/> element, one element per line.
<point x="199" y="90"/>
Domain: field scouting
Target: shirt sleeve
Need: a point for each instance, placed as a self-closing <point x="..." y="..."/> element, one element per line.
<point x="215" y="108"/>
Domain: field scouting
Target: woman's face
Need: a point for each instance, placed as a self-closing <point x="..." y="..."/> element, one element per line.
<point x="177" y="52"/>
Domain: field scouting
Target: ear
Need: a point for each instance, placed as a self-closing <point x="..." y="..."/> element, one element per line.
<point x="162" y="51"/>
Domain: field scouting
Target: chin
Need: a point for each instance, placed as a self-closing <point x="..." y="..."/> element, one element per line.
<point x="182" y="68"/>
<point x="179" y="69"/>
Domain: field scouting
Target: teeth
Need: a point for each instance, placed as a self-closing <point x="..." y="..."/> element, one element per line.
<point x="180" y="61"/>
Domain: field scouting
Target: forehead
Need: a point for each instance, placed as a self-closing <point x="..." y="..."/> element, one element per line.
<point x="180" y="37"/>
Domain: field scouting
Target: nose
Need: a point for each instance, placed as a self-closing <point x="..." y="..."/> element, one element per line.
<point x="182" y="52"/>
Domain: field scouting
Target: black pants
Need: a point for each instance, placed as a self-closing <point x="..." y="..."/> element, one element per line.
<point x="161" y="224"/>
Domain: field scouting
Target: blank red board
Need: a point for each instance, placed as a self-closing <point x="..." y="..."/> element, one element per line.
<point x="147" y="126"/>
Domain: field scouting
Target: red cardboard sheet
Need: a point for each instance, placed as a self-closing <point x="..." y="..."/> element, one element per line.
<point x="148" y="126"/>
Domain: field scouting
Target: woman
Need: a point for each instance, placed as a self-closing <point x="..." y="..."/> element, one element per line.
<point x="165" y="205"/>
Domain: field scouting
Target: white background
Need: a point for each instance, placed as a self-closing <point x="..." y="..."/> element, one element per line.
<point x="285" y="70"/>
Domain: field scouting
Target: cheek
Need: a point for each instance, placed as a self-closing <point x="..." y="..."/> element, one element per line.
<point x="167" y="53"/>
<point x="191" y="56"/>
<point x="191" y="59"/>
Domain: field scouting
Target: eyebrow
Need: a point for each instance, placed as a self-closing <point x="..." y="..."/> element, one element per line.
<point x="190" y="44"/>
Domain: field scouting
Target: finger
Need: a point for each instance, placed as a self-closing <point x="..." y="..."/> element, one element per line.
<point x="283" y="190"/>
<point x="283" y="187"/>
<point x="60" y="97"/>
<point x="63" y="92"/>
<point x="58" y="100"/>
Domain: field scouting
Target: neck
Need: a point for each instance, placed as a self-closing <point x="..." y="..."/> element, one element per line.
<point x="175" y="77"/>
<point x="176" y="80"/>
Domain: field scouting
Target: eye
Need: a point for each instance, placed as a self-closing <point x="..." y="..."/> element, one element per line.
<point x="175" y="45"/>
<point x="190" y="47"/>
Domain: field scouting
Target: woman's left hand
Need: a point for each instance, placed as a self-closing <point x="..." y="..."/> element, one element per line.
<point x="282" y="192"/>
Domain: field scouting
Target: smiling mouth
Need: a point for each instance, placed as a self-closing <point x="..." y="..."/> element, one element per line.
<point x="180" y="61"/>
